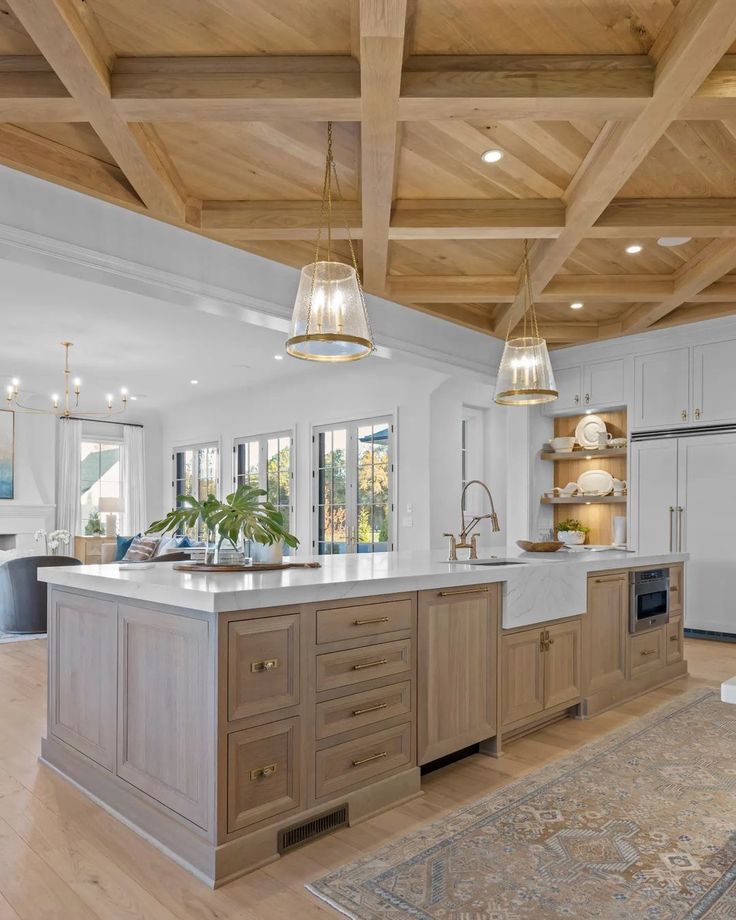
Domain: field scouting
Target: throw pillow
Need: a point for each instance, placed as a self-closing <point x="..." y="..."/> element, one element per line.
<point x="123" y="545"/>
<point x="141" y="549"/>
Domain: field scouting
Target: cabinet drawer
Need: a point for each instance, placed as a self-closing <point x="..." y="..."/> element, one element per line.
<point x="355" y="665"/>
<point x="674" y="650"/>
<point x="359" y="709"/>
<point x="646" y="651"/>
<point x="676" y="589"/>
<point x="263" y="665"/>
<point x="363" y="620"/>
<point x="262" y="773"/>
<point x="357" y="762"/>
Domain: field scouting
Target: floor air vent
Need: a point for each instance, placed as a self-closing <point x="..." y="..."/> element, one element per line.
<point x="292" y="837"/>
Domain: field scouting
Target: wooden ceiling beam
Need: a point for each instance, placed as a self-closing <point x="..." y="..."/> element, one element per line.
<point x="568" y="333"/>
<point x="459" y="289"/>
<point x="240" y="221"/>
<point x="654" y="217"/>
<point x="63" y="38"/>
<point x="382" y="33"/>
<point x="706" y="269"/>
<point x="450" y="219"/>
<point x="31" y="91"/>
<point x="685" y="56"/>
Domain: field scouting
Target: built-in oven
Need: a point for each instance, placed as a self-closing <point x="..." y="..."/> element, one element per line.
<point x="649" y="603"/>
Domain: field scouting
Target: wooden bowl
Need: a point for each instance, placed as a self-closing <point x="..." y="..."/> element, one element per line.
<point x="550" y="546"/>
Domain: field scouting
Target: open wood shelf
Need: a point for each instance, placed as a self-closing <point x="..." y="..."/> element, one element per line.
<point x="586" y="500"/>
<point x="581" y="454"/>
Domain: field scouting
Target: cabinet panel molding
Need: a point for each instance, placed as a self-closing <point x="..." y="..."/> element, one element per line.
<point x="562" y="666"/>
<point x="263" y="665"/>
<point x="522" y="677"/>
<point x="605" y="630"/>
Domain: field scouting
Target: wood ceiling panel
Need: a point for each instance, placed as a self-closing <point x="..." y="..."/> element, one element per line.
<point x="142" y="27"/>
<point x="539" y="26"/>
<point x="75" y="135"/>
<point x="594" y="312"/>
<point x="442" y="159"/>
<point x="609" y="257"/>
<point x="13" y="37"/>
<point x="259" y="160"/>
<point x="694" y="159"/>
<point x="449" y="257"/>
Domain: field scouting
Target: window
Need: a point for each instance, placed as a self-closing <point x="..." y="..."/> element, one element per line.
<point x="353" y="474"/>
<point x="196" y="472"/>
<point x="265" y="461"/>
<point x="101" y="485"/>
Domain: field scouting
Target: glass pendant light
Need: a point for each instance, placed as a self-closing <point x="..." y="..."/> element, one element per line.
<point x="525" y="376"/>
<point x="330" y="320"/>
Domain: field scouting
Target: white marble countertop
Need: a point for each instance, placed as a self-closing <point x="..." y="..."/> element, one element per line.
<point x="549" y="586"/>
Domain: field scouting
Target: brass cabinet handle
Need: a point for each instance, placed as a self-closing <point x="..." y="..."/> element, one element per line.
<point x="360" y="712"/>
<point x="648" y="651"/>
<point x="550" y="641"/>
<point x="369" y="758"/>
<point x="263" y="772"/>
<point x="577" y="399"/>
<point x="270" y="664"/>
<point x="674" y="638"/>
<point x="587" y="398"/>
<point x="683" y="415"/>
<point x="370" y="622"/>
<point x="672" y="511"/>
<point x="697" y="414"/>
<point x="451" y="591"/>
<point x="370" y="664"/>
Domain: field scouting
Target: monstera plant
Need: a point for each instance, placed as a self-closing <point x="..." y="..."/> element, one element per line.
<point x="243" y="513"/>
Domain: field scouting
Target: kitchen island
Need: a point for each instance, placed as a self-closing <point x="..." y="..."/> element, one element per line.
<point x="231" y="717"/>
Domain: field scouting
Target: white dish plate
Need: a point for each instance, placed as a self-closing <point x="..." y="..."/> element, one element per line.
<point x="588" y="429"/>
<point x="595" y="482"/>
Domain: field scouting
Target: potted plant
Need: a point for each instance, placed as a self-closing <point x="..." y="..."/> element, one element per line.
<point x="572" y="532"/>
<point x="243" y="515"/>
<point x="93" y="527"/>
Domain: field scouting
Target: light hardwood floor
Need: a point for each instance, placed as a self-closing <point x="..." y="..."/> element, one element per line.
<point x="63" y="857"/>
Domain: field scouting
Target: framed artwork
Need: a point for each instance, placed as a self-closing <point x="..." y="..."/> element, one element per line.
<point x="7" y="449"/>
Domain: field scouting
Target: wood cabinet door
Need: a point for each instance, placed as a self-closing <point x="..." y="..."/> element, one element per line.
<point x="522" y="675"/>
<point x="82" y="674"/>
<point x="263" y="665"/>
<point x="662" y="389"/>
<point x="562" y="676"/>
<point x="647" y="651"/>
<point x="674" y="640"/>
<point x="714" y="382"/>
<point x="457" y="670"/>
<point x="676" y="586"/>
<point x="605" y="630"/>
<point x="165" y="706"/>
<point x="603" y="383"/>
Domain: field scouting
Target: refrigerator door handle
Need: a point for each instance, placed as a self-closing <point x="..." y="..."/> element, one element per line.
<point x="672" y="522"/>
<point x="680" y="511"/>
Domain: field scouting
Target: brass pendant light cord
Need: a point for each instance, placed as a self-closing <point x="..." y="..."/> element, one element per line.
<point x="530" y="326"/>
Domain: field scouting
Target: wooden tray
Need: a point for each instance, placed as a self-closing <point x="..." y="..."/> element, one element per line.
<point x="550" y="546"/>
<point x="256" y="567"/>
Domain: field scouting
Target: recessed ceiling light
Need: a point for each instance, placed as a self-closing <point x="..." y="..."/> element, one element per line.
<point x="194" y="382"/>
<point x="278" y="357"/>
<point x="491" y="156"/>
<point x="668" y="241"/>
<point x="576" y="306"/>
<point x="633" y="249"/>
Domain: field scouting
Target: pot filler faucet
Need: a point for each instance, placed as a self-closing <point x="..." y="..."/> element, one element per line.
<point x="460" y="542"/>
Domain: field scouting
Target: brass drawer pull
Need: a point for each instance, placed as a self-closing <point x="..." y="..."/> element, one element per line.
<point x="360" y="712"/>
<point x="649" y="651"/>
<point x="270" y="664"/>
<point x="358" y="763"/>
<point x="263" y="772"/>
<point x="674" y="638"/>
<point x="371" y="622"/>
<point x="370" y="664"/>
<point x="452" y="591"/>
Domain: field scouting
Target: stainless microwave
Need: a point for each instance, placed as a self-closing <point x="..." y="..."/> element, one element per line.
<point x="649" y="599"/>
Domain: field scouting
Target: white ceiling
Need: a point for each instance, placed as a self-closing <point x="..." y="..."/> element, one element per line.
<point x="123" y="339"/>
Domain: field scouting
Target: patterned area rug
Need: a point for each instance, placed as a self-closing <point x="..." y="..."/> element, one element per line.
<point x="639" y="825"/>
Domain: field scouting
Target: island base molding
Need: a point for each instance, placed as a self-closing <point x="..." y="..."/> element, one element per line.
<point x="631" y="689"/>
<point x="212" y="864"/>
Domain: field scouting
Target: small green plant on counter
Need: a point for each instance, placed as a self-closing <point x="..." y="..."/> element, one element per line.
<point x="94" y="524"/>
<point x="572" y="526"/>
<point x="243" y="512"/>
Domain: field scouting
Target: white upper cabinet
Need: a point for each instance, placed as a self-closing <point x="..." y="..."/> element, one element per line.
<point x="603" y="383"/>
<point x="714" y="382"/>
<point x="596" y="385"/>
<point x="662" y="389"/>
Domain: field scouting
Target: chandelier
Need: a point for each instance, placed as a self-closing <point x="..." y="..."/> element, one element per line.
<point x="63" y="407"/>
<point x="330" y="320"/>
<point x="525" y="376"/>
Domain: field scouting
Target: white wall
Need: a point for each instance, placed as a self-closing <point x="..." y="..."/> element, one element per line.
<point x="427" y="406"/>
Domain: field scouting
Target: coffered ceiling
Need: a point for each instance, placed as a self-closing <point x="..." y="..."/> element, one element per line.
<point x="616" y="120"/>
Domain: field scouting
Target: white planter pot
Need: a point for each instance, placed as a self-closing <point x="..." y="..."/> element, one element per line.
<point x="571" y="537"/>
<point x="268" y="554"/>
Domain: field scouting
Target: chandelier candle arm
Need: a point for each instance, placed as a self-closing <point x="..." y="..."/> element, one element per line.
<point x="525" y="376"/>
<point x="330" y="319"/>
<point x="71" y="388"/>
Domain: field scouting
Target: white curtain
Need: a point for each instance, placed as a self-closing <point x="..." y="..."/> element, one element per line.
<point x="133" y="469"/>
<point x="69" y="475"/>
